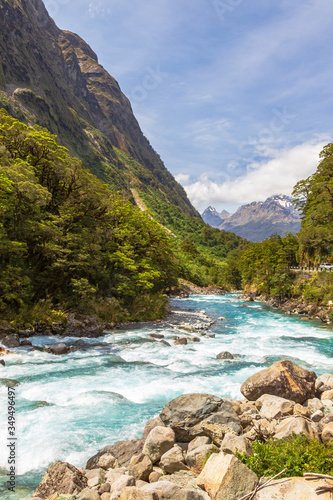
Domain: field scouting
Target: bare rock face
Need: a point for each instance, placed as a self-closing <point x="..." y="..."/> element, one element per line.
<point x="284" y="379"/>
<point x="61" y="477"/>
<point x="184" y="412"/>
<point x="122" y="451"/>
<point x="224" y="477"/>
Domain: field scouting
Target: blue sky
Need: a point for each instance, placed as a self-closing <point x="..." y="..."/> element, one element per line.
<point x="235" y="95"/>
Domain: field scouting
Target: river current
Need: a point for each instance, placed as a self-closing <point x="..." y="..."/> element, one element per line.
<point x="70" y="406"/>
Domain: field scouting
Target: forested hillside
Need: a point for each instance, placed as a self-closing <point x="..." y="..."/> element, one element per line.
<point x="67" y="241"/>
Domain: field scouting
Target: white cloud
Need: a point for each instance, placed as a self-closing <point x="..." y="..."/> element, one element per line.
<point x="182" y="178"/>
<point x="278" y="174"/>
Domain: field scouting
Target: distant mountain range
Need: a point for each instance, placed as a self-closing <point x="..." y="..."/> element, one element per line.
<point x="257" y="220"/>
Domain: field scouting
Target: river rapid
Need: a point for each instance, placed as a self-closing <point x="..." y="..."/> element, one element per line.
<point x="70" y="406"/>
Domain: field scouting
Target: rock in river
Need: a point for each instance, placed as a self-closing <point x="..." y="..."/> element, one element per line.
<point x="284" y="379"/>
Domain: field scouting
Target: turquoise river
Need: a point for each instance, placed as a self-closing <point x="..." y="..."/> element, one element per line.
<point x="70" y="406"/>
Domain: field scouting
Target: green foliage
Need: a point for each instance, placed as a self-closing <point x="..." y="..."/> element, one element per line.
<point x="299" y="454"/>
<point x="314" y="198"/>
<point x="265" y="266"/>
<point x="65" y="237"/>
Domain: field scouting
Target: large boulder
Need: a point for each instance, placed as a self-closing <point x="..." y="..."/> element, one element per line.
<point x="294" y="425"/>
<point x="61" y="477"/>
<point x="122" y="451"/>
<point x="293" y="488"/>
<point x="59" y="348"/>
<point x="224" y="477"/>
<point x="275" y="407"/>
<point x="284" y="379"/>
<point x="159" y="441"/>
<point x="162" y="490"/>
<point x="185" y="412"/>
<point x="11" y="341"/>
<point x="150" y="424"/>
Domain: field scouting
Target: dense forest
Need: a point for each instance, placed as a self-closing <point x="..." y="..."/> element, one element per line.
<point x="67" y="241"/>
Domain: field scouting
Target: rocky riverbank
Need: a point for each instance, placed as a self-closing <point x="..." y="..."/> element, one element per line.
<point x="188" y="451"/>
<point x="293" y="306"/>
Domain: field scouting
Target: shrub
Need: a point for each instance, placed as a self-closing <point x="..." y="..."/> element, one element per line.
<point x="299" y="454"/>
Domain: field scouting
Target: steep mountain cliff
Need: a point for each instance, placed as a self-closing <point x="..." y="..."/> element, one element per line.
<point x="52" y="78"/>
<point x="258" y="220"/>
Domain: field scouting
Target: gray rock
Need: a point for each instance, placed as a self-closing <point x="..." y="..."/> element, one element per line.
<point x="220" y="423"/>
<point x="181" y="341"/>
<point x="314" y="405"/>
<point x="225" y="355"/>
<point x="25" y="342"/>
<point x="140" y="467"/>
<point x="275" y="406"/>
<point x="156" y="335"/>
<point x="232" y="443"/>
<point x="11" y="341"/>
<point x="153" y="422"/>
<point x="122" y="451"/>
<point x="159" y="441"/>
<point x="198" y="441"/>
<point x="59" y="349"/>
<point x="173" y="460"/>
<point x="291" y="425"/>
<point x="327" y="433"/>
<point x="184" y="412"/>
<point x="199" y="456"/>
<point x="325" y="379"/>
<point x="108" y="461"/>
<point x="317" y="416"/>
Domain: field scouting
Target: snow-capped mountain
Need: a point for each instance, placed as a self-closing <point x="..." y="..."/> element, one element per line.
<point x="258" y="220"/>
